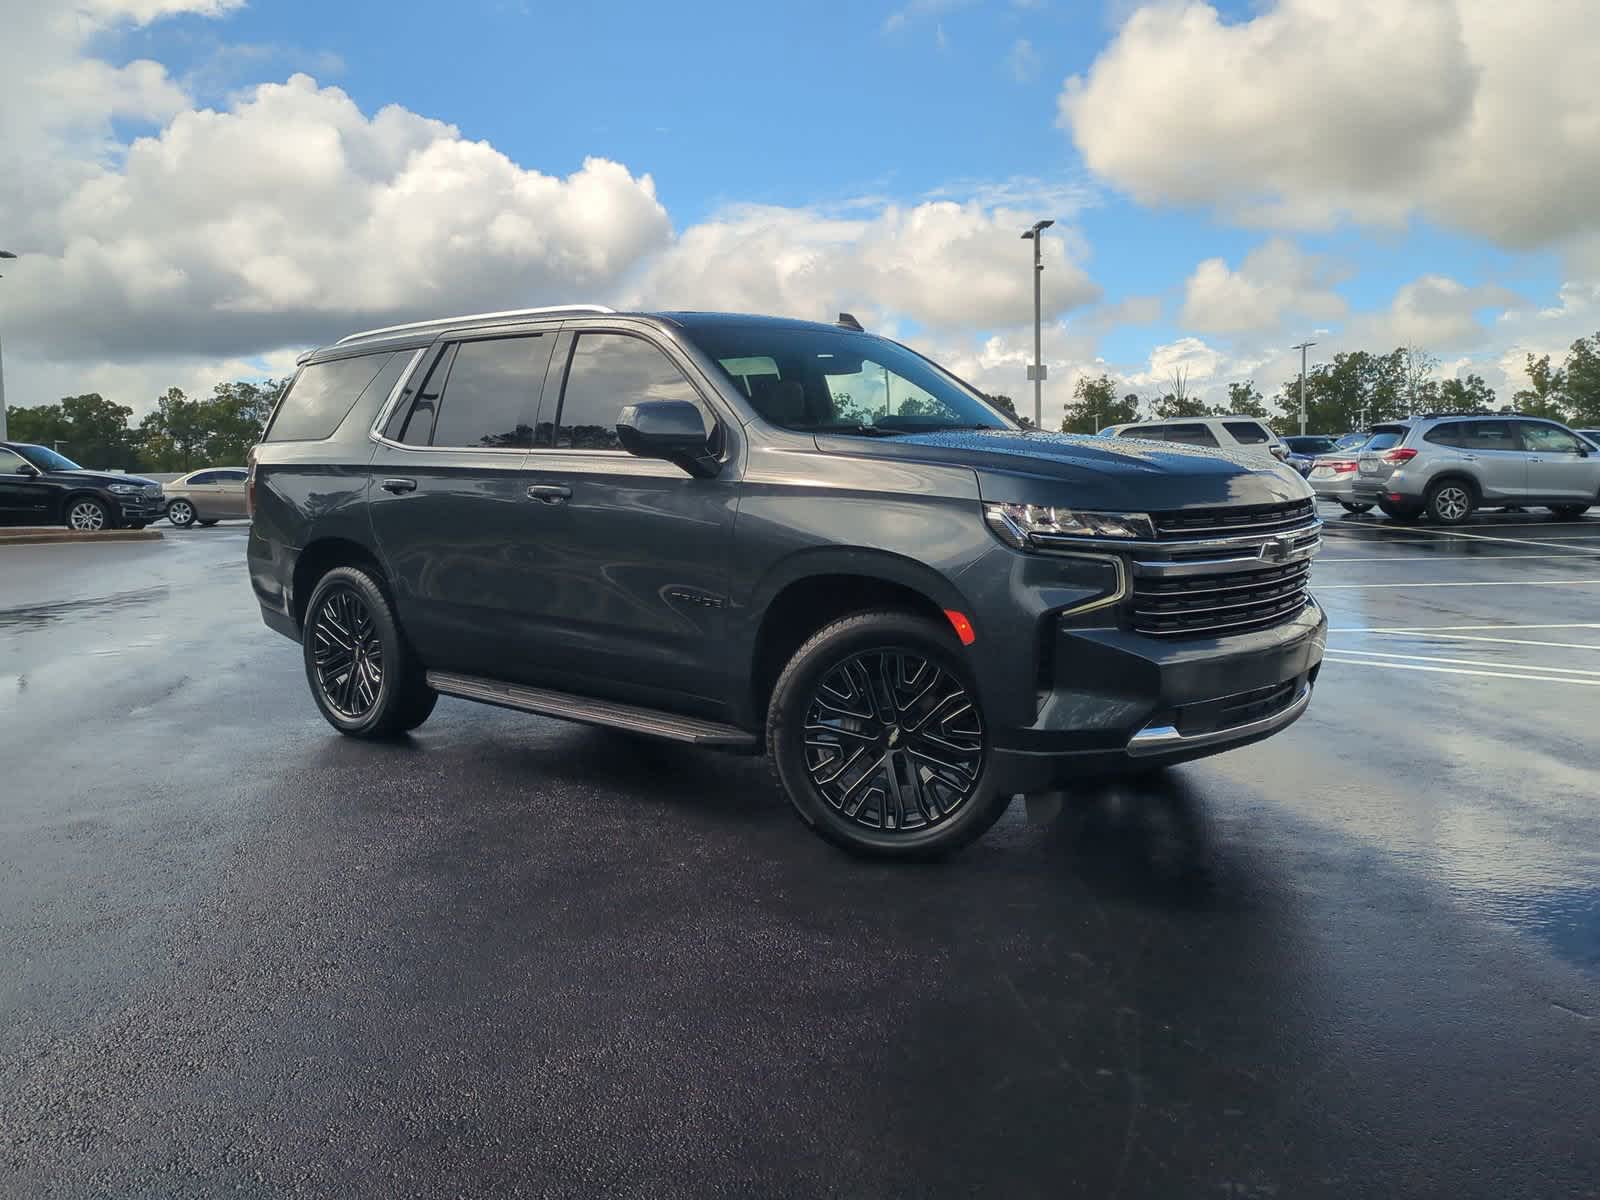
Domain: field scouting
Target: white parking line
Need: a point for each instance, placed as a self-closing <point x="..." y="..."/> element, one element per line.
<point x="1356" y="587"/>
<point x="1469" y="637"/>
<point x="1551" y="544"/>
<point x="1468" y="662"/>
<point x="1439" y="558"/>
<point x="1458" y="628"/>
<point x="1399" y="666"/>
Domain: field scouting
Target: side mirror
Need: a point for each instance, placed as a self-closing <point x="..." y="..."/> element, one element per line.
<point x="1280" y="452"/>
<point x="28" y="471"/>
<point x="668" y="429"/>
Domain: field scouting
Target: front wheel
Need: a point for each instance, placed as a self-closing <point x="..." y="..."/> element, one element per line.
<point x="181" y="513"/>
<point x="88" y="515"/>
<point x="363" y="676"/>
<point x="877" y="736"/>
<point x="1354" y="508"/>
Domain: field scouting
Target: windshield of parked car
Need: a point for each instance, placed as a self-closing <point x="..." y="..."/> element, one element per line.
<point x="1309" y="445"/>
<point x="46" y="459"/>
<point x="831" y="381"/>
<point x="1352" y="441"/>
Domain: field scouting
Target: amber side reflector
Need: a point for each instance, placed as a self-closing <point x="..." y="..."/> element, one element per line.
<point x="962" y="626"/>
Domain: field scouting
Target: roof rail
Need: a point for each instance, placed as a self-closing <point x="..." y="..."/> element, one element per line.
<point x="510" y="312"/>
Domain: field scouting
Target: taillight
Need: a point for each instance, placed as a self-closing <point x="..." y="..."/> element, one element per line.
<point x="1342" y="468"/>
<point x="1403" y="455"/>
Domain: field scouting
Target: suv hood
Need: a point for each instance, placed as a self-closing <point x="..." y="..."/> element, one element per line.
<point x="1112" y="474"/>
<point x="98" y="478"/>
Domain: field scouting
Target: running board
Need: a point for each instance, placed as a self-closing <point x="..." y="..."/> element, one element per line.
<point x="568" y="707"/>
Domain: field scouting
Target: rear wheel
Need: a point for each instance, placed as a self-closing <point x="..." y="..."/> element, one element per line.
<point x="181" y="513"/>
<point x="1567" y="511"/>
<point x="1451" y="501"/>
<point x="1354" y="508"/>
<point x="878" y="739"/>
<point x="362" y="674"/>
<point x="85" y="514"/>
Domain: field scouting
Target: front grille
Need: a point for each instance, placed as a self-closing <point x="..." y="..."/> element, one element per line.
<point x="1227" y="602"/>
<point x="1234" y="522"/>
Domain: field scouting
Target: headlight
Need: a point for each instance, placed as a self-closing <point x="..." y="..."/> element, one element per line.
<point x="1018" y="524"/>
<point x="127" y="489"/>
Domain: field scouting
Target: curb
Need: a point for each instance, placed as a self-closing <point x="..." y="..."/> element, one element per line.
<point x="42" y="537"/>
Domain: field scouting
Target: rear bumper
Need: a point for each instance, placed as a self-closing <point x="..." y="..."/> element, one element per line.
<point x="1124" y="702"/>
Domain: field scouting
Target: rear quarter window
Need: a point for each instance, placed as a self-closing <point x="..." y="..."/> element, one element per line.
<point x="323" y="394"/>
<point x="1247" y="433"/>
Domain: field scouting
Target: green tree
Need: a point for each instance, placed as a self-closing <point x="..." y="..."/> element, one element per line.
<point x="172" y="436"/>
<point x="1546" y="395"/>
<point x="89" y="429"/>
<point x="1356" y="388"/>
<point x="1094" y="405"/>
<point x="1583" y="381"/>
<point x="1471" y="394"/>
<point x="234" y="417"/>
<point x="1246" y="400"/>
<point x="1178" y="401"/>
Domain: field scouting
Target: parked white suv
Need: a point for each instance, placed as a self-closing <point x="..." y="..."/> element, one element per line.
<point x="1240" y="434"/>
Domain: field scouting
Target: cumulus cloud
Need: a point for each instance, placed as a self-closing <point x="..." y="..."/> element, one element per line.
<point x="293" y="213"/>
<point x="1275" y="280"/>
<point x="1479" y="114"/>
<point x="943" y="264"/>
<point x="1435" y="313"/>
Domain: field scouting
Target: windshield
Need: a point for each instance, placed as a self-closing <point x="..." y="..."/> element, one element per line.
<point x="46" y="459"/>
<point x="1352" y="441"/>
<point x="842" y="382"/>
<point x="1309" y="445"/>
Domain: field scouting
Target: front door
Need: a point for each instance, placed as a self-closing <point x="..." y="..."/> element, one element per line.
<point x="23" y="499"/>
<point x="631" y="584"/>
<point x="1560" y="466"/>
<point x="451" y="514"/>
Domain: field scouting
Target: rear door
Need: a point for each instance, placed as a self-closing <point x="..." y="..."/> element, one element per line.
<point x="1493" y="449"/>
<point x="1253" y="438"/>
<point x="459" y="534"/>
<point x="630" y="590"/>
<point x="1560" y="466"/>
<point x="24" y="500"/>
<point x="230" y="493"/>
<point x="1192" y="433"/>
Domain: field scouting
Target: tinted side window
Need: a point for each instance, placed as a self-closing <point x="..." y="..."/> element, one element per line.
<point x="1453" y="434"/>
<point x="10" y="462"/>
<point x="1491" y="435"/>
<point x="413" y="424"/>
<point x="608" y="371"/>
<point x="1551" y="438"/>
<point x="321" y="396"/>
<point x="204" y="477"/>
<point x="1247" y="433"/>
<point x="1191" y="435"/>
<point x="1153" y="433"/>
<point x="492" y="392"/>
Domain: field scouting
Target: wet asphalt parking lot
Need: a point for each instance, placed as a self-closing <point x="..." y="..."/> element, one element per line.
<point x="239" y="954"/>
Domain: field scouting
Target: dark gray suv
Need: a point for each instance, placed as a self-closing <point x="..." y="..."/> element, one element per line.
<point x="780" y="536"/>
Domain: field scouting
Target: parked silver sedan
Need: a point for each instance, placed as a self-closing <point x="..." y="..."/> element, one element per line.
<point x="206" y="497"/>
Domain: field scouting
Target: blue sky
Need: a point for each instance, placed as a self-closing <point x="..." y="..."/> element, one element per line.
<point x="833" y="112"/>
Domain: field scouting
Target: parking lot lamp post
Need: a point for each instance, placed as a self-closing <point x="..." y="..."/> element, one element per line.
<point x="3" y="254"/>
<point x="1303" y="347"/>
<point x="1036" y="372"/>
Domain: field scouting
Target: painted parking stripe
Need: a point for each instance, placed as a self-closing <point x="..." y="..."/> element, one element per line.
<point x="1463" y="557"/>
<point x="1399" y="666"/>
<point x="1357" y="587"/>
<point x="1458" y="628"/>
<point x="1470" y="637"/>
<point x="1475" y="537"/>
<point x="1467" y="662"/>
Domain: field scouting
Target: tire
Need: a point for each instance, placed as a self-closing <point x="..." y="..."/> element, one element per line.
<point x="85" y="514"/>
<point x="902" y="806"/>
<point x="1451" y="501"/>
<point x="181" y="513"/>
<point x="210" y="523"/>
<point x="349" y="636"/>
<point x="1404" y="516"/>
<point x="1567" y="511"/>
<point x="1354" y="508"/>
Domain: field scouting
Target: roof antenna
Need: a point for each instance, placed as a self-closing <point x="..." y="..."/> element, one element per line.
<point x="848" y="322"/>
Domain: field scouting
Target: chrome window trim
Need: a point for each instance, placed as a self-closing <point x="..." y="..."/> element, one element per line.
<point x="470" y="317"/>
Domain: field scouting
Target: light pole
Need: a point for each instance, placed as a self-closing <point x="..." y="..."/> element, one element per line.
<point x="1303" y="347"/>
<point x="1037" y="372"/>
<point x="3" y="254"/>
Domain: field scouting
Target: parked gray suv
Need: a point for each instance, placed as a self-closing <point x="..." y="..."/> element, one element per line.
<point x="1449" y="466"/>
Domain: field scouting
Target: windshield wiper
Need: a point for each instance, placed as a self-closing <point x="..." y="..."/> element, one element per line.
<point x="863" y="430"/>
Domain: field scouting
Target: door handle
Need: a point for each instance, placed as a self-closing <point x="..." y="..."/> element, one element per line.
<point x="549" y="493"/>
<point x="397" y="486"/>
<point x="1469" y="458"/>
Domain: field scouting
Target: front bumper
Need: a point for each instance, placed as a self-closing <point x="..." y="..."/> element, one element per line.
<point x="1122" y="702"/>
<point x="140" y="508"/>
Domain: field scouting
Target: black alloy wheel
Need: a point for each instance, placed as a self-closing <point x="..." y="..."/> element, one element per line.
<point x="347" y="653"/>
<point x="876" y="733"/>
<point x="363" y="674"/>
<point x="893" y="742"/>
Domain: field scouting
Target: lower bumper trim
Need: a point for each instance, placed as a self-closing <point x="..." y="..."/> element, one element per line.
<point x="1165" y="739"/>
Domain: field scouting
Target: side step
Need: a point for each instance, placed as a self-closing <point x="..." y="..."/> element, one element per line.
<point x="568" y="707"/>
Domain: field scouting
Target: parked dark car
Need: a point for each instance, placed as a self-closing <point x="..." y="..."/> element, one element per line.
<point x="40" y="487"/>
<point x="764" y="534"/>
<point x="1304" y="451"/>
